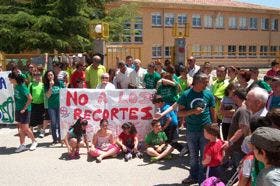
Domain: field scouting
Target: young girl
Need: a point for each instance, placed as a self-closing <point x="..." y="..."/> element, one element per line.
<point x="213" y="152"/>
<point x="128" y="141"/>
<point x="22" y="101"/>
<point x="73" y="139"/>
<point x="103" y="144"/>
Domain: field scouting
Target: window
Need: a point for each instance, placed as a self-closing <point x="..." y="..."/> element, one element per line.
<point x="232" y="23"/>
<point x="196" y="21"/>
<point x="265" y="23"/>
<point x="253" y="23"/>
<point x="273" y="50"/>
<point x="219" y="51"/>
<point x="168" y="51"/>
<point x="156" y="19"/>
<point x="231" y="50"/>
<point x="242" y="23"/>
<point x="207" y="51"/>
<point x="263" y="50"/>
<point x="156" y="51"/>
<point x="219" y="22"/>
<point x="169" y="20"/>
<point x="196" y="52"/>
<point x="138" y="30"/>
<point x="252" y="51"/>
<point x="242" y="51"/>
<point x="274" y="24"/>
<point x="208" y="22"/>
<point x="182" y="19"/>
<point x="127" y="32"/>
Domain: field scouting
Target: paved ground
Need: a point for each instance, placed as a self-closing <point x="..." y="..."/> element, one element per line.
<point x="48" y="166"/>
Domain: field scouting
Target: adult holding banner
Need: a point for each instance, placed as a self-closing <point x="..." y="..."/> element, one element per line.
<point x="52" y="87"/>
<point x="23" y="100"/>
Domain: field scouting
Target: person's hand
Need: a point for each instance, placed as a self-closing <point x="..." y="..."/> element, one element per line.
<point x="198" y="110"/>
<point x="124" y="148"/>
<point x="225" y="145"/>
<point x="51" y="83"/>
<point x="22" y="111"/>
<point x="69" y="150"/>
<point x="134" y="150"/>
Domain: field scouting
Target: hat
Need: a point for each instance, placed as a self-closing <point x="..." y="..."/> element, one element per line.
<point x="266" y="138"/>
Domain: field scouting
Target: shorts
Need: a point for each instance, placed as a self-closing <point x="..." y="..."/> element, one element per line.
<point x="37" y="114"/>
<point x="97" y="151"/>
<point x="23" y="118"/>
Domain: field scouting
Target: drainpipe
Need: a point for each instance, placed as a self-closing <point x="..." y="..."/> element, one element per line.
<point x="163" y="35"/>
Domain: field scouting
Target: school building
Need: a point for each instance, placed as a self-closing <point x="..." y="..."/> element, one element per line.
<point x="220" y="31"/>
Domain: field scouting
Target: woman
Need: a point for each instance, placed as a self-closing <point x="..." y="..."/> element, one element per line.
<point x="22" y="100"/>
<point x="52" y="87"/>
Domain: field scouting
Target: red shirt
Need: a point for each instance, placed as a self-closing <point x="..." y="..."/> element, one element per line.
<point x="271" y="73"/>
<point x="215" y="151"/>
<point x="78" y="76"/>
<point x="127" y="139"/>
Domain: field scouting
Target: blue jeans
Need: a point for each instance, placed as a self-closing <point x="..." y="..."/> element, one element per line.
<point x="55" y="123"/>
<point x="196" y="143"/>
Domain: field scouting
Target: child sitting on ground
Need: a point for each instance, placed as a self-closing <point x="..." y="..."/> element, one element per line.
<point x="73" y="139"/>
<point x="157" y="147"/>
<point x="128" y="141"/>
<point x="213" y="151"/>
<point x="103" y="144"/>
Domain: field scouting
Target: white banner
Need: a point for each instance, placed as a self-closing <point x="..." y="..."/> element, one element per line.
<point x="7" y="106"/>
<point x="118" y="106"/>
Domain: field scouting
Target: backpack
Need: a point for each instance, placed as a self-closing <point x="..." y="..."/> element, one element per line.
<point x="212" y="181"/>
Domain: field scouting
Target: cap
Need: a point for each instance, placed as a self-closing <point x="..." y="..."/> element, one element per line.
<point x="266" y="138"/>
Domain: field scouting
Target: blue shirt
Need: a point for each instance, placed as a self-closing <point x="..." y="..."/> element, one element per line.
<point x="172" y="115"/>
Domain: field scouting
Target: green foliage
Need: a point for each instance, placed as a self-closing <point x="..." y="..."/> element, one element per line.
<point x="56" y="24"/>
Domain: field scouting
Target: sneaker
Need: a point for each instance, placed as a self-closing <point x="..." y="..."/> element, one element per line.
<point x="42" y="134"/>
<point x="33" y="145"/>
<point x="98" y="159"/>
<point x="189" y="181"/>
<point x="184" y="151"/>
<point x="127" y="156"/>
<point x="139" y="155"/>
<point x="21" y="148"/>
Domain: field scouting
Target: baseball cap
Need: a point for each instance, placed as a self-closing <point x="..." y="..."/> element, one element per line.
<point x="266" y="138"/>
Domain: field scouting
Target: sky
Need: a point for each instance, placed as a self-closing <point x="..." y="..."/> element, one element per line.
<point x="270" y="3"/>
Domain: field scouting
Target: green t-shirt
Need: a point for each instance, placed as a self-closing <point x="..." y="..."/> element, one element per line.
<point x="53" y="100"/>
<point x="151" y="80"/>
<point x="93" y="76"/>
<point x="153" y="139"/>
<point x="168" y="93"/>
<point x="20" y="94"/>
<point x="190" y="100"/>
<point x="37" y="92"/>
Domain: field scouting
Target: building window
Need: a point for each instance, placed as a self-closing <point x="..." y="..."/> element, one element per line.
<point x="219" y="22"/>
<point x="168" y="51"/>
<point x="138" y="30"/>
<point x="232" y="23"/>
<point x="196" y="21"/>
<point x="273" y="50"/>
<point x="127" y="32"/>
<point x="252" y="51"/>
<point x="263" y="50"/>
<point x="274" y="24"/>
<point x="219" y="51"/>
<point x="182" y="19"/>
<point x="156" y="19"/>
<point x="265" y="23"/>
<point x="253" y="23"/>
<point x="231" y="50"/>
<point x="169" y="20"/>
<point x="208" y="21"/>
<point x="196" y="51"/>
<point x="207" y="51"/>
<point x="156" y="51"/>
<point x="242" y="23"/>
<point x="242" y="51"/>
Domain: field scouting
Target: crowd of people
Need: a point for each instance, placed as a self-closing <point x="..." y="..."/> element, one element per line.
<point x="231" y="115"/>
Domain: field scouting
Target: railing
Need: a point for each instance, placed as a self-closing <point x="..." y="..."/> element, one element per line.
<point x="236" y="54"/>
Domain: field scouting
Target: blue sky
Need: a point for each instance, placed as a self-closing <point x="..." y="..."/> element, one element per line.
<point x="271" y="3"/>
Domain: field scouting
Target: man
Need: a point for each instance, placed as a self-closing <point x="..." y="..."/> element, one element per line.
<point x="129" y="62"/>
<point x="218" y="88"/>
<point x="121" y="80"/>
<point x="105" y="84"/>
<point x="266" y="145"/>
<point x="274" y="98"/>
<point x="94" y="72"/>
<point x="197" y="105"/>
<point x="136" y="77"/>
<point x="151" y="77"/>
<point x="257" y="82"/>
<point x="192" y="67"/>
<point x="239" y="127"/>
<point x="274" y="69"/>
